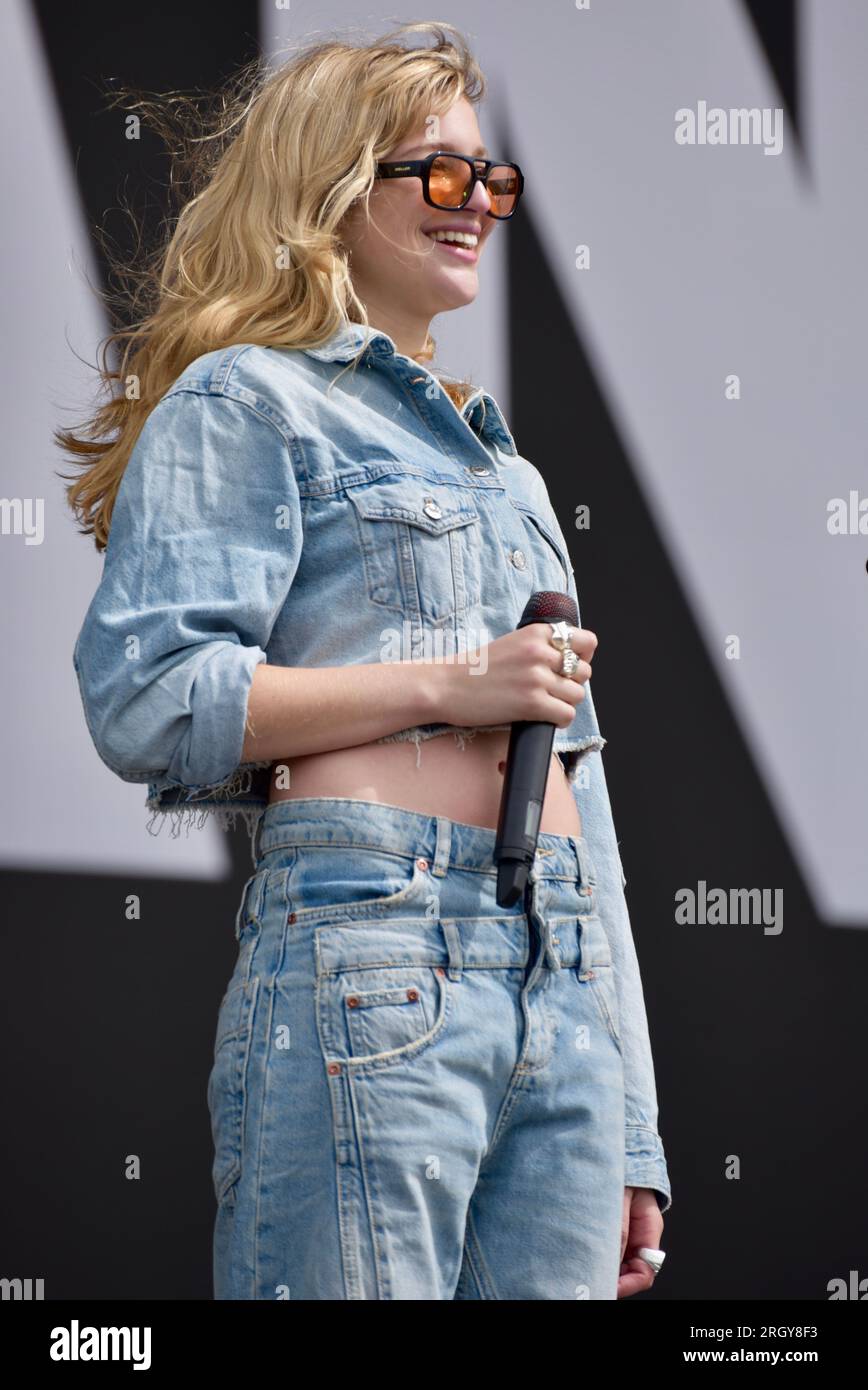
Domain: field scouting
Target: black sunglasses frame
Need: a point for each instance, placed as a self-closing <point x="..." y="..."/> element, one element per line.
<point x="421" y="168"/>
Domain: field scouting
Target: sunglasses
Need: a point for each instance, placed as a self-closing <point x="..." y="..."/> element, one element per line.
<point x="448" y="180"/>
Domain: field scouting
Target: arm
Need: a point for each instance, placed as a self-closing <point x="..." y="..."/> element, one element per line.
<point x="204" y="544"/>
<point x="205" y="541"/>
<point x="298" y="709"/>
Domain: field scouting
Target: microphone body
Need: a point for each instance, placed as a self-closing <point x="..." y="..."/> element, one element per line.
<point x="527" y="769"/>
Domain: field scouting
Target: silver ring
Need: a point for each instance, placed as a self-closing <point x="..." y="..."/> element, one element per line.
<point x="560" y="637"/>
<point x="654" y="1258"/>
<point x="569" y="662"/>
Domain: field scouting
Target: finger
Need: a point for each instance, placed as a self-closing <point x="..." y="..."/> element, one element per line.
<point x="568" y="692"/>
<point x="582" y="640"/>
<point x="625" y="1219"/>
<point x="582" y="673"/>
<point x="560" y="713"/>
<point x="635" y="1276"/>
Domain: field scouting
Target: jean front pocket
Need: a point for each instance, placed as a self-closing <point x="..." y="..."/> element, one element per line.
<point x="227" y="1084"/>
<point x="388" y="1010"/>
<point x="383" y="992"/>
<point x="354" y="882"/>
<point x="420" y="545"/>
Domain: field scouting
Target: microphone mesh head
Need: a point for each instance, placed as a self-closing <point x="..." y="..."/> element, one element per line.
<point x="550" y="606"/>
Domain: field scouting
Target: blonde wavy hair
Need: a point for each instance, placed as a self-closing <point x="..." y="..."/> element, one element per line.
<point x="270" y="163"/>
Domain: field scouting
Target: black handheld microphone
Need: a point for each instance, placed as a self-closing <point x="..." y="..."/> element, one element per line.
<point x="527" y="769"/>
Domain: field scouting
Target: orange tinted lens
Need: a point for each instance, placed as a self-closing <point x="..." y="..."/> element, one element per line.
<point x="502" y="189"/>
<point x="449" y="182"/>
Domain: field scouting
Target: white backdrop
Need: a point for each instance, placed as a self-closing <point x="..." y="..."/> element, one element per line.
<point x="706" y="261"/>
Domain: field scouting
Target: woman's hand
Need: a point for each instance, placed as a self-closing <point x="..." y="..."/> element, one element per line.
<point x="642" y="1224"/>
<point x="514" y="677"/>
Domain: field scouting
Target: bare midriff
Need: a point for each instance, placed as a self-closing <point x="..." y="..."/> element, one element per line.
<point x="461" y="783"/>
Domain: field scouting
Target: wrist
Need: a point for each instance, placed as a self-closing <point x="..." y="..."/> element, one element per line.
<point x="433" y="686"/>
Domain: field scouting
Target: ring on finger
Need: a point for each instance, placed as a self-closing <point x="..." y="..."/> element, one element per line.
<point x="561" y="634"/>
<point x="569" y="662"/>
<point x="561" y="639"/>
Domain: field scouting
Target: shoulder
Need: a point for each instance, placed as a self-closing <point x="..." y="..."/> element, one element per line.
<point x="272" y="382"/>
<point x="528" y="483"/>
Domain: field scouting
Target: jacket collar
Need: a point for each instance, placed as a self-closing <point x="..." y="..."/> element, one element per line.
<point x="480" y="410"/>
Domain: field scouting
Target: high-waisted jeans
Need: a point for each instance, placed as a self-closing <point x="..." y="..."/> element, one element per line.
<point x="416" y="1093"/>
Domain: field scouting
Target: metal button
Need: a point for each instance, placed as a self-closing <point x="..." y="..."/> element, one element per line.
<point x="517" y="558"/>
<point x="352" y="1001"/>
<point x="431" y="508"/>
<point x="412" y="995"/>
<point x="422" y="863"/>
<point x="479" y="468"/>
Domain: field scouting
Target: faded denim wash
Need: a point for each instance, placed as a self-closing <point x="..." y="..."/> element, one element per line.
<point x="416" y="1093"/>
<point x="271" y="512"/>
<point x="279" y="506"/>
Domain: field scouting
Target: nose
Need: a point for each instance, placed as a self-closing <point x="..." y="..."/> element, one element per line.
<point x="479" y="200"/>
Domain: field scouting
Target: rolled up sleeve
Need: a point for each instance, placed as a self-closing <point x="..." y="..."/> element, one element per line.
<point x="204" y="544"/>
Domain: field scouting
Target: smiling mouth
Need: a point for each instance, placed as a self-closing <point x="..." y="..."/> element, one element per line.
<point x="458" y="249"/>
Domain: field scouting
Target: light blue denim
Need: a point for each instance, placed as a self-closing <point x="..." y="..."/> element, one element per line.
<point x="416" y="1093"/>
<point x="281" y="505"/>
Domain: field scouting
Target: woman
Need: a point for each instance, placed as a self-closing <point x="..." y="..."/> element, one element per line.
<point x="319" y="553"/>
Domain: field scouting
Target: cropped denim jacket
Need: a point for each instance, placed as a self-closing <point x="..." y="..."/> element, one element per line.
<point x="281" y="505"/>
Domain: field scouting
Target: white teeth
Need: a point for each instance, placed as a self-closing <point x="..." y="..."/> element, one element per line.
<point x="463" y="238"/>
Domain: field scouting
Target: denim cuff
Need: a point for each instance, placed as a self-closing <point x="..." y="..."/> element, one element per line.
<point x="214" y="701"/>
<point x="645" y="1163"/>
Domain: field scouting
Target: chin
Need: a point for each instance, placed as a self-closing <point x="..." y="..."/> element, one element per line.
<point x="455" y="295"/>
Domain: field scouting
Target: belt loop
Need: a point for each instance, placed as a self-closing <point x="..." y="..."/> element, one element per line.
<point x="439" y="869"/>
<point x="256" y="840"/>
<point x="248" y="908"/>
<point x="583" y="858"/>
<point x="535" y="918"/>
<point x="443" y="847"/>
<point x="453" y="943"/>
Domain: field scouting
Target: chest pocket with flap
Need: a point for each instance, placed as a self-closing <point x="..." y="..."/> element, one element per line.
<point x="420" y="546"/>
<point x="551" y="564"/>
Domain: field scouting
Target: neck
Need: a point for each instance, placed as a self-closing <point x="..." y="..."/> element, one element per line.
<point x="407" y="331"/>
